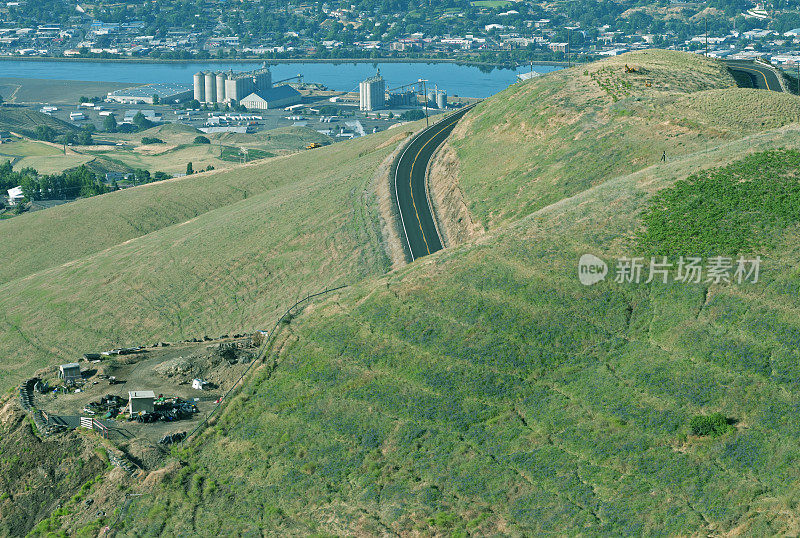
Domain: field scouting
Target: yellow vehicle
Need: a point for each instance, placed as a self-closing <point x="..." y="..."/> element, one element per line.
<point x="314" y="145"/>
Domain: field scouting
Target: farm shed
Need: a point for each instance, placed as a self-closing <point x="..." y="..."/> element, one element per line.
<point x="141" y="401"/>
<point x="70" y="372"/>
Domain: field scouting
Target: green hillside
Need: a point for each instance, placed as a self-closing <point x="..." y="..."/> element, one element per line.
<point x="482" y="390"/>
<point x="486" y="391"/>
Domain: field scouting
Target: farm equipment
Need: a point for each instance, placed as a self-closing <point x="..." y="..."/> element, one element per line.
<point x="629" y="69"/>
<point x="314" y="145"/>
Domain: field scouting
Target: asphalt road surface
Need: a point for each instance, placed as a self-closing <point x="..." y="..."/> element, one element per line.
<point x="762" y="77"/>
<point x="416" y="216"/>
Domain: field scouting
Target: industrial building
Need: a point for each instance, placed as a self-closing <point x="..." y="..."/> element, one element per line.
<point x="167" y="93"/>
<point x="229" y="87"/>
<point x="277" y="97"/>
<point x="372" y="93"/>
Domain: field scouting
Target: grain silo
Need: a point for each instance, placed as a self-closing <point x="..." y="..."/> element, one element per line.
<point x="372" y="93"/>
<point x="441" y="99"/>
<point x="211" y="87"/>
<point x="200" y="86"/>
<point x="221" y="93"/>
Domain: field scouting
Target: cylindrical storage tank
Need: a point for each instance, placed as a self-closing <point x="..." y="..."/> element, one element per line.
<point x="441" y="99"/>
<point x="431" y="99"/>
<point x="200" y="86"/>
<point x="211" y="88"/>
<point x="221" y="94"/>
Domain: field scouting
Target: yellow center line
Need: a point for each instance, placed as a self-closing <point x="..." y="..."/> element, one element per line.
<point x="411" y="189"/>
<point x="755" y="71"/>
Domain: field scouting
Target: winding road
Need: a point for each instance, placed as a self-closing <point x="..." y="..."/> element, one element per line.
<point x="762" y="77"/>
<point x="416" y="216"/>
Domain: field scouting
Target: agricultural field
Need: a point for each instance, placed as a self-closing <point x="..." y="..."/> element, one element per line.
<point x="28" y="148"/>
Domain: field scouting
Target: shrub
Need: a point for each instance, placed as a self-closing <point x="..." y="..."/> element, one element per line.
<point x="201" y="140"/>
<point x="151" y="140"/>
<point x="713" y="425"/>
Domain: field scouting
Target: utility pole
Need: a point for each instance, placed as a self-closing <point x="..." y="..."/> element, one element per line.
<point x="706" y="21"/>
<point x="569" y="46"/>
<point x="425" y="98"/>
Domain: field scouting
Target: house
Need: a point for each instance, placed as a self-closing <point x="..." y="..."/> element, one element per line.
<point x="141" y="401"/>
<point x="15" y="195"/>
<point x="279" y="96"/>
<point x="70" y="373"/>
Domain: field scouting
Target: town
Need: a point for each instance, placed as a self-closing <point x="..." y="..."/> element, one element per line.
<point x="487" y="31"/>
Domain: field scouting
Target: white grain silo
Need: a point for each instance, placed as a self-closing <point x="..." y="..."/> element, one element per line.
<point x="200" y="86"/>
<point x="211" y="87"/>
<point x="221" y="92"/>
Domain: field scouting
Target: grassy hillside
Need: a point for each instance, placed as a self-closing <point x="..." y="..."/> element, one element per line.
<point x="555" y="136"/>
<point x="207" y="254"/>
<point x="24" y="121"/>
<point x="481" y="390"/>
<point x="485" y="391"/>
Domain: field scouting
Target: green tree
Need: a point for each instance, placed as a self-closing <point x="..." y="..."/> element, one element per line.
<point x="45" y="132"/>
<point x="85" y="138"/>
<point x="110" y="123"/>
<point x="141" y="122"/>
<point x="141" y="176"/>
<point x="156" y="99"/>
<point x="189" y="170"/>
<point x="30" y="188"/>
<point x="201" y="140"/>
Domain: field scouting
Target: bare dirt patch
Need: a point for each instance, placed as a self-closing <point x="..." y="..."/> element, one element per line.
<point x="167" y="371"/>
<point x="450" y="210"/>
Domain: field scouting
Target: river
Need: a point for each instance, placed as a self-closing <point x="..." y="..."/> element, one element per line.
<point x="456" y="80"/>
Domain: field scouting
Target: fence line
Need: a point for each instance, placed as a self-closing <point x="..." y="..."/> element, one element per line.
<point x="259" y="356"/>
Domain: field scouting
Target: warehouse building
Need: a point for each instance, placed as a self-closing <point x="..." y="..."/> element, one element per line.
<point x="372" y="93"/>
<point x="167" y="93"/>
<point x="229" y="87"/>
<point x="277" y="97"/>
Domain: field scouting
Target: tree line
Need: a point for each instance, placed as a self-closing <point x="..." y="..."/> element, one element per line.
<point x="78" y="182"/>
